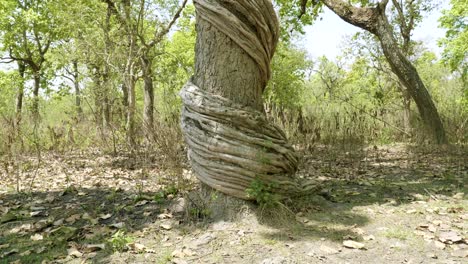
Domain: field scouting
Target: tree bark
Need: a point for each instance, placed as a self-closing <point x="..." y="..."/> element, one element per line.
<point x="20" y="95"/>
<point x="131" y="108"/>
<point x="375" y="21"/>
<point x="76" y="82"/>
<point x="35" y="103"/>
<point x="231" y="144"/>
<point x="406" y="110"/>
<point x="148" y="111"/>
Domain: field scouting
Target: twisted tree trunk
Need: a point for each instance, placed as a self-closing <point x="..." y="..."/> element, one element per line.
<point x="231" y="144"/>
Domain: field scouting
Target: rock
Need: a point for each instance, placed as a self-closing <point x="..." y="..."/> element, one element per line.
<point x="353" y="244"/>
<point x="178" y="206"/>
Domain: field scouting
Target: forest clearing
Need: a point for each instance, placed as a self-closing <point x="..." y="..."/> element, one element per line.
<point x="204" y="131"/>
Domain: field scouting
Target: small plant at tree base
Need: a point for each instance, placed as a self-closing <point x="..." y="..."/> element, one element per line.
<point x="119" y="241"/>
<point x="262" y="193"/>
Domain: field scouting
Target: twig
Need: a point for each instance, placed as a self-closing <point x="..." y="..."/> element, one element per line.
<point x="431" y="195"/>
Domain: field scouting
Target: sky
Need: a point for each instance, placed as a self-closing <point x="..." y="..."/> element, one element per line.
<point x="325" y="36"/>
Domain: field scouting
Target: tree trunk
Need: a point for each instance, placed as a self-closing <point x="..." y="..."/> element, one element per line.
<point x="20" y="96"/>
<point x="76" y="82"/>
<point x="231" y="144"/>
<point x="375" y="21"/>
<point x="148" y="111"/>
<point x="406" y="110"/>
<point x="130" y="126"/>
<point x="35" y="103"/>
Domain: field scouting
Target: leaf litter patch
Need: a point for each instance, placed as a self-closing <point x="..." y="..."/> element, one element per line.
<point x="373" y="203"/>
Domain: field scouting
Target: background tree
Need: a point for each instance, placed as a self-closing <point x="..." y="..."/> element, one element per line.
<point x="455" y="42"/>
<point x="372" y="18"/>
<point x="28" y="30"/>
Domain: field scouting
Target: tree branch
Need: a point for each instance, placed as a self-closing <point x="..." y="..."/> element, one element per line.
<point x="364" y="17"/>
<point x="159" y="35"/>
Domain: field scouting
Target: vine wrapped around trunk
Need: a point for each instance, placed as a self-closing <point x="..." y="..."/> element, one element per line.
<point x="231" y="144"/>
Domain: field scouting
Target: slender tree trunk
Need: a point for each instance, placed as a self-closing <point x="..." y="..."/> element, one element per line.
<point x="76" y="82"/>
<point x="148" y="111"/>
<point x="375" y="21"/>
<point x="20" y="96"/>
<point x="98" y="97"/>
<point x="131" y="113"/>
<point x="406" y="110"/>
<point x="35" y="103"/>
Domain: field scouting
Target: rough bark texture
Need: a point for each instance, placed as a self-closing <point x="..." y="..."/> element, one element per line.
<point x="35" y="103"/>
<point x="148" y="111"/>
<point x="375" y="21"/>
<point x="76" y="83"/>
<point x="231" y="144"/>
<point x="20" y="95"/>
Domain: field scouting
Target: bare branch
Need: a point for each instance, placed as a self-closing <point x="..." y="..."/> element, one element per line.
<point x="159" y="35"/>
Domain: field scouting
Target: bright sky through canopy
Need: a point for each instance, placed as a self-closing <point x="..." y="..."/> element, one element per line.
<point x="325" y="37"/>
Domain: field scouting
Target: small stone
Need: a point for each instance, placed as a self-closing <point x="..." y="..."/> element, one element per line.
<point x="353" y="244"/>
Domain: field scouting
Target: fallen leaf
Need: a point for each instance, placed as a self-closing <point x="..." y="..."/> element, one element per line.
<point x="164" y="216"/>
<point x="25" y="253"/>
<point x="50" y="198"/>
<point x="166" y="226"/>
<point x="105" y="216"/>
<point x="37" y="208"/>
<point x="4" y="246"/>
<point x="450" y="237"/>
<point x="94" y="247"/>
<point x="353" y="244"/>
<point x="37" y="237"/>
<point x="140" y="203"/>
<point x="36" y="213"/>
<point x="58" y="222"/>
<point x="63" y="233"/>
<point x="117" y="225"/>
<point x="40" y="250"/>
<point x="11" y="252"/>
<point x="74" y="252"/>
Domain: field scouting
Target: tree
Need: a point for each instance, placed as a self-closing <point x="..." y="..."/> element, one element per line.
<point x="141" y="36"/>
<point x="373" y="18"/>
<point x="28" y="29"/>
<point x="231" y="144"/>
<point x="455" y="42"/>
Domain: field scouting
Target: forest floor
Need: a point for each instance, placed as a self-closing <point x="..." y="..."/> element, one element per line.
<point x="387" y="204"/>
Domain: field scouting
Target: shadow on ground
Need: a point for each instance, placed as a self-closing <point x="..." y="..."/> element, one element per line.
<point x="98" y="221"/>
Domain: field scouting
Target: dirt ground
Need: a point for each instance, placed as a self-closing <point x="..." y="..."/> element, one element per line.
<point x="377" y="204"/>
